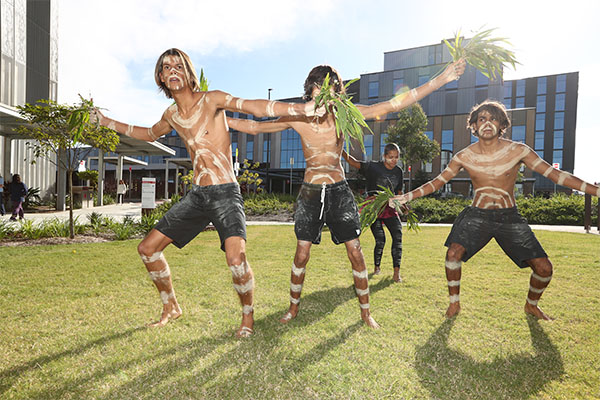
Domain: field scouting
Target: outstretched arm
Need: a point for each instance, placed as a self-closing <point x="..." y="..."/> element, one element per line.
<point x="436" y="183"/>
<point x="263" y="108"/>
<point x="451" y="73"/>
<point x="162" y="127"/>
<point x="255" y="127"/>
<point x="351" y="160"/>
<point x="563" y="178"/>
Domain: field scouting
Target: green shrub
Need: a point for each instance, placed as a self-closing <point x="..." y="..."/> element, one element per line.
<point x="268" y="203"/>
<point x="6" y="229"/>
<point x="124" y="230"/>
<point x="148" y="221"/>
<point x="438" y="211"/>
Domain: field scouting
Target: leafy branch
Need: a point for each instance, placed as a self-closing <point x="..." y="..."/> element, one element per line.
<point x="349" y="121"/>
<point x="373" y="207"/>
<point x="483" y="52"/>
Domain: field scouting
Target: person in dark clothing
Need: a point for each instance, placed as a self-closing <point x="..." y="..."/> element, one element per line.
<point x="388" y="174"/>
<point x="18" y="191"/>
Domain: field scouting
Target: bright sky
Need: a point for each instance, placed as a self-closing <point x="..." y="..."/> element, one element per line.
<point x="108" y="48"/>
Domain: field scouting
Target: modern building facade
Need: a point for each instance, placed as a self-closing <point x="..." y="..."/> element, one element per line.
<point x="543" y="111"/>
<point x="28" y="73"/>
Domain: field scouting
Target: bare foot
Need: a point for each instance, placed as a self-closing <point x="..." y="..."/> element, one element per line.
<point x="377" y="270"/>
<point x="453" y="309"/>
<point x="366" y="316"/>
<point x="537" y="312"/>
<point x="291" y="314"/>
<point x="397" y="278"/>
<point x="170" y="312"/>
<point x="246" y="327"/>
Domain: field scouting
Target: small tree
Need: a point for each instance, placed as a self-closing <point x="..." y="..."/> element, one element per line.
<point x="408" y="134"/>
<point x="60" y="134"/>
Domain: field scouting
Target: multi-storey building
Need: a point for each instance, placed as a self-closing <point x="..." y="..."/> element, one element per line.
<point x="28" y="73"/>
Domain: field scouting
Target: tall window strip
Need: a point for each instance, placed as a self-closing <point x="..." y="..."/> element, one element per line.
<point x="368" y="140"/>
<point x="291" y="147"/>
<point x="561" y="83"/>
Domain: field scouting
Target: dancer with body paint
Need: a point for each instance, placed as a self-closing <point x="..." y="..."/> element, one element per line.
<point x="199" y="119"/>
<point x="388" y="174"/>
<point x="493" y="164"/>
<point x="325" y="196"/>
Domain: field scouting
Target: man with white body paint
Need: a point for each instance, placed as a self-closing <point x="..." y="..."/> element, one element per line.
<point x="493" y="163"/>
<point x="325" y="196"/>
<point x="199" y="119"/>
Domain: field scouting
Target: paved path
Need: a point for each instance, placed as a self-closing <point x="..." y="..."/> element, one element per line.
<point x="134" y="210"/>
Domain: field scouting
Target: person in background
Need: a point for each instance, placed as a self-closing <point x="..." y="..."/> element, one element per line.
<point x="18" y="191"/>
<point x="2" y="209"/>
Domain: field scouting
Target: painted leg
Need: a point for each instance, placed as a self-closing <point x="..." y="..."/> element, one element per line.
<point x="379" y="235"/>
<point x="361" y="281"/>
<point x="297" y="279"/>
<point x="150" y="250"/>
<point x="243" y="282"/>
<point x="453" y="274"/>
<point x="541" y="276"/>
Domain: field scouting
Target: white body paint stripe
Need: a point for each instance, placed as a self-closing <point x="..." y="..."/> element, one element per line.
<point x="247" y="309"/>
<point x="239" y="270"/>
<point x="536" y="290"/>
<point x="453" y="265"/>
<point x="584" y="186"/>
<point x="532" y="302"/>
<point x="294" y="301"/>
<point x="361" y="274"/>
<point x="271" y="108"/>
<point x="364" y="306"/>
<point x="245" y="288"/>
<point x="154" y="257"/>
<point x="165" y="297"/>
<point x="453" y="283"/>
<point x="536" y="163"/>
<point x="160" y="274"/>
<point x="361" y="292"/>
<point x="297" y="271"/>
<point x="561" y="177"/>
<point x="547" y="172"/>
<point x="239" y="103"/>
<point x="297" y="288"/>
<point x="455" y="298"/>
<point x="541" y="278"/>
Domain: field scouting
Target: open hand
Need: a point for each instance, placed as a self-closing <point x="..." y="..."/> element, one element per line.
<point x="398" y="202"/>
<point x="455" y="70"/>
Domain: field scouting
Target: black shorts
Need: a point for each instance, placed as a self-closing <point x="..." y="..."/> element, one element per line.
<point x="220" y="204"/>
<point x="475" y="227"/>
<point x="338" y="211"/>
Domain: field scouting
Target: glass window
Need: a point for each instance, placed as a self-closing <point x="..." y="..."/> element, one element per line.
<point x="539" y="141"/>
<point x="447" y="140"/>
<point x="540" y="122"/>
<point x="558" y="139"/>
<point x="557" y="156"/>
<point x="520" y="102"/>
<point x="398" y="84"/>
<point x="383" y="142"/>
<point x="423" y="78"/>
<point x="291" y="147"/>
<point x="373" y="89"/>
<point x="368" y="139"/>
<point x="427" y="167"/>
<point x="234" y="145"/>
<point x="507" y="90"/>
<point x="520" y="88"/>
<point x="518" y="133"/>
<point x="561" y="83"/>
<point x="541" y="104"/>
<point x="560" y="102"/>
<point x="429" y="134"/>
<point x="445" y="157"/>
<point x="474" y="139"/>
<point x="452" y="85"/>
<point x="266" y="148"/>
<point x="507" y="102"/>
<point x="480" y="79"/>
<point x="249" y="147"/>
<point x="559" y="120"/>
<point x="541" y="85"/>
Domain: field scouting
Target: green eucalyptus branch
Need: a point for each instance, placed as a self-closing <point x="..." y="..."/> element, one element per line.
<point x="372" y="207"/>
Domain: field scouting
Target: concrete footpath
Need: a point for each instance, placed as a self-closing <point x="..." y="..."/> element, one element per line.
<point x="134" y="210"/>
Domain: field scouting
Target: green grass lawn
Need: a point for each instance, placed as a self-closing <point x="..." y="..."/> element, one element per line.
<point x="72" y="324"/>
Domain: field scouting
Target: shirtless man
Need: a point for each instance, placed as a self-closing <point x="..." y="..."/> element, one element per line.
<point x="325" y="196"/>
<point x="493" y="163"/>
<point x="199" y="119"/>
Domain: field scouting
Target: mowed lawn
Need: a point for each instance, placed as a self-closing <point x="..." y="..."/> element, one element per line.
<point x="73" y="324"/>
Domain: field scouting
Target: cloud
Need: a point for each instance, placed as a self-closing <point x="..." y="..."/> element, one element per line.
<point x="108" y="48"/>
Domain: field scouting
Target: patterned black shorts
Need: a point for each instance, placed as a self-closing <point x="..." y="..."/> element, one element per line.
<point x="220" y="204"/>
<point x="338" y="210"/>
<point x="475" y="227"/>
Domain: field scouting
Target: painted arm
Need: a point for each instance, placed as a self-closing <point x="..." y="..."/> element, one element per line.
<point x="533" y="161"/>
<point x="157" y="130"/>
<point x="351" y="160"/>
<point x="264" y="108"/>
<point x="255" y="127"/>
<point x="451" y="73"/>
<point x="436" y="183"/>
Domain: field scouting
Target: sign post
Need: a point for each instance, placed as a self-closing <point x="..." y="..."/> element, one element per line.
<point x="148" y="195"/>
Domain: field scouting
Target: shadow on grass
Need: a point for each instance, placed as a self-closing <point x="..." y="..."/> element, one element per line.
<point x="450" y="374"/>
<point x="8" y="376"/>
<point x="255" y="367"/>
